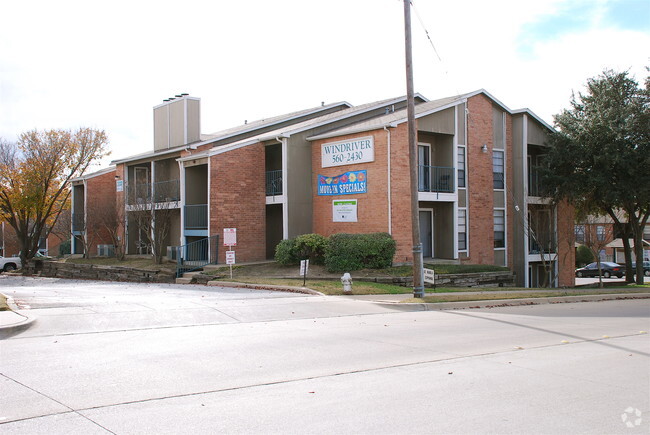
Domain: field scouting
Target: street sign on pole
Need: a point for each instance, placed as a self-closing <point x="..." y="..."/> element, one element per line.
<point x="304" y="268"/>
<point x="230" y="257"/>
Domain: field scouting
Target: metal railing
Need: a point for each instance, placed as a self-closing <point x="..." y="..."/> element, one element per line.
<point x="163" y="191"/>
<point x="78" y="222"/>
<point x="167" y="191"/>
<point x="436" y="179"/>
<point x="196" y="255"/>
<point x="196" y="217"/>
<point x="274" y="183"/>
<point x="534" y="184"/>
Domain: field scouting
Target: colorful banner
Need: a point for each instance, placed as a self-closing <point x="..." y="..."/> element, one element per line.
<point x="345" y="184"/>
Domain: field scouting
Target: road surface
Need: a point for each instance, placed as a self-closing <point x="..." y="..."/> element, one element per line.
<point x="141" y="359"/>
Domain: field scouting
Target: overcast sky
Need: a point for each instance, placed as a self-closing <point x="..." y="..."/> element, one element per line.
<point x="66" y="64"/>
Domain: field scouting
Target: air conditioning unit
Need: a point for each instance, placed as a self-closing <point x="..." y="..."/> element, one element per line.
<point x="105" y="251"/>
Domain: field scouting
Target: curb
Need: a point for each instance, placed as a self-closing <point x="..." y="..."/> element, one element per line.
<point x="283" y="288"/>
<point x="497" y="303"/>
<point x="21" y="323"/>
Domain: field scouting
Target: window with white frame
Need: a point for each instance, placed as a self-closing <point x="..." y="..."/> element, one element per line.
<point x="600" y="233"/>
<point x="462" y="229"/>
<point x="499" y="228"/>
<point x="580" y="233"/>
<point x="498" y="169"/>
<point x="461" y="167"/>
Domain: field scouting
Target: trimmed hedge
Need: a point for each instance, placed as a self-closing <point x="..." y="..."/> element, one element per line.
<point x="583" y="256"/>
<point x="340" y="252"/>
<point x="348" y="252"/>
<point x="306" y="246"/>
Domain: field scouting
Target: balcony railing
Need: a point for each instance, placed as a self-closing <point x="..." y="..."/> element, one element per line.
<point x="543" y="245"/>
<point x="438" y="179"/>
<point x="196" y="217"/>
<point x="274" y="183"/>
<point x="534" y="184"/>
<point x="163" y="191"/>
<point x="78" y="223"/>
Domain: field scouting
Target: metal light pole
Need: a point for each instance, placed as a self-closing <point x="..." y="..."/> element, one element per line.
<point x="418" y="271"/>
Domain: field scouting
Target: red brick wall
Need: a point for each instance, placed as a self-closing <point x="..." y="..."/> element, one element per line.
<point x="372" y="208"/>
<point x="480" y="181"/>
<point x="11" y="245"/>
<point x="238" y="200"/>
<point x="100" y="195"/>
<point x="510" y="210"/>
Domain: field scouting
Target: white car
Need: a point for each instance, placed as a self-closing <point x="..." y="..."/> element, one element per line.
<point x="8" y="264"/>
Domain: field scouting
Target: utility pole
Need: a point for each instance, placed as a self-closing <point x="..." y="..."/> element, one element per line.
<point x="418" y="271"/>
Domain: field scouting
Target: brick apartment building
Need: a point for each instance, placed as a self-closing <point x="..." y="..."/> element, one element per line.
<point x="343" y="168"/>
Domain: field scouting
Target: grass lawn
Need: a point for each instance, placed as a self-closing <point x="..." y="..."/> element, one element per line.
<point x="456" y="297"/>
<point x="331" y="287"/>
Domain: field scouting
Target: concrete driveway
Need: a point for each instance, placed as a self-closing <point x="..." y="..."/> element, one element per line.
<point x="135" y="359"/>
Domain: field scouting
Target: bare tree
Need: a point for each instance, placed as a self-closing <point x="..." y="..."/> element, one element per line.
<point x="153" y="212"/>
<point x="111" y="220"/>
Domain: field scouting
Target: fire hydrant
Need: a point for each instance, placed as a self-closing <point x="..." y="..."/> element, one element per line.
<point x="346" y="280"/>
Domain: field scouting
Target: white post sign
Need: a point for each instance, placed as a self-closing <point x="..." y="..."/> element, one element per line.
<point x="344" y="210"/>
<point x="304" y="267"/>
<point x="429" y="276"/>
<point x="230" y="257"/>
<point x="230" y="236"/>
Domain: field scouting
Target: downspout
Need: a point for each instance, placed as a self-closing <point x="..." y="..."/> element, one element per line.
<point x="390" y="217"/>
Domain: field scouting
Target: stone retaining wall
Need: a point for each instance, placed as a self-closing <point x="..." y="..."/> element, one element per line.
<point x="55" y="269"/>
<point x="482" y="279"/>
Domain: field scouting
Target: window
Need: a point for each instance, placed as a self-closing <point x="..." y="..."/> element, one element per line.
<point x="499" y="228"/>
<point x="461" y="167"/>
<point x="580" y="233"/>
<point x="497" y="169"/>
<point x="462" y="230"/>
<point x="600" y="233"/>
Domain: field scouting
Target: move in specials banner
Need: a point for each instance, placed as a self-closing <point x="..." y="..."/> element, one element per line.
<point x="348" y="183"/>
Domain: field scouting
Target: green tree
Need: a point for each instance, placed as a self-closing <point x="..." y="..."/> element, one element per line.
<point x="600" y="155"/>
<point x="35" y="179"/>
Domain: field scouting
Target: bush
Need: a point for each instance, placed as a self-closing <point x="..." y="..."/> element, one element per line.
<point x="306" y="246"/>
<point x="312" y="247"/>
<point x="285" y="252"/>
<point x="65" y="247"/>
<point x="583" y="256"/>
<point x="348" y="252"/>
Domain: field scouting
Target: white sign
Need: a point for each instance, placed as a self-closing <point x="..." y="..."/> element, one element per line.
<point x="349" y="152"/>
<point x="230" y="257"/>
<point x="119" y="186"/>
<point x="230" y="236"/>
<point x="429" y="276"/>
<point x="344" y="210"/>
<point x="304" y="267"/>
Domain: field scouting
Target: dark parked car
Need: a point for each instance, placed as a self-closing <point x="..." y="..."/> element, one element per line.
<point x="608" y="270"/>
<point x="646" y="267"/>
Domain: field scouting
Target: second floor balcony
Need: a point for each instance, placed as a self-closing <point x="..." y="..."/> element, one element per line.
<point x="196" y="217"/>
<point x="436" y="179"/>
<point x="274" y="183"/>
<point x="162" y="191"/>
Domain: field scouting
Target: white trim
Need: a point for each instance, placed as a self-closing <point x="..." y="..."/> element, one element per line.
<point x="285" y="188"/>
<point x="388" y="188"/>
<point x="524" y="130"/>
<point x="94" y="174"/>
<point x="208" y="202"/>
<point x="182" y="176"/>
<point x="393" y="123"/>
